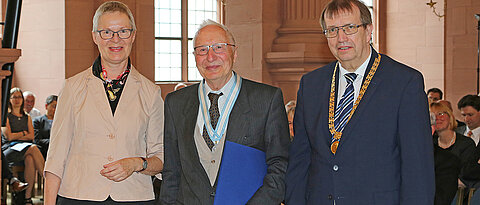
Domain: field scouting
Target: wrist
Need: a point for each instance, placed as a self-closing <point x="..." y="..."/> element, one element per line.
<point x="143" y="164"/>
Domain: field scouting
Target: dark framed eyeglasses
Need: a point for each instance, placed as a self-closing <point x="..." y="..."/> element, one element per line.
<point x="347" y="29"/>
<point x="108" y="34"/>
<point x="217" y="48"/>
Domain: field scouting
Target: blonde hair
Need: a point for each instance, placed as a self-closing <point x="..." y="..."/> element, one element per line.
<point x="443" y="108"/>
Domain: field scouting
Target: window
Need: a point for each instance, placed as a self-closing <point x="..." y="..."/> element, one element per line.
<point x="176" y="22"/>
<point x="370" y="5"/>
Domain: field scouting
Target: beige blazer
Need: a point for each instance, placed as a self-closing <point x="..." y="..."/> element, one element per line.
<point x="85" y="136"/>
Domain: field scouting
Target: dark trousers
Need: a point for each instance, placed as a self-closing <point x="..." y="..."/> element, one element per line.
<point x="109" y="201"/>
<point x="6" y="173"/>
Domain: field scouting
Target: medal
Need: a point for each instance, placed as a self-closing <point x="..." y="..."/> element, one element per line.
<point x="217" y="133"/>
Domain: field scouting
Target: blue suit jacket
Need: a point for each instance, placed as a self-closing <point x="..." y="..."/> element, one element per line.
<point x="385" y="155"/>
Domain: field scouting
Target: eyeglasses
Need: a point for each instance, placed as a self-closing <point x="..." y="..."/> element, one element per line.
<point x="108" y="34"/>
<point x="217" y="48"/>
<point x="441" y="115"/>
<point x="16" y="97"/>
<point x="347" y="29"/>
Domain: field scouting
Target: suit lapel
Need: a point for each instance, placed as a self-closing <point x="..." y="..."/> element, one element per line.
<point x="97" y="91"/>
<point x="190" y="120"/>
<point x="374" y="84"/>
<point x="130" y="90"/>
<point x="238" y="120"/>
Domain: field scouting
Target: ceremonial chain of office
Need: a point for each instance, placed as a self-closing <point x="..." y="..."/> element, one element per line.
<point x="331" y="109"/>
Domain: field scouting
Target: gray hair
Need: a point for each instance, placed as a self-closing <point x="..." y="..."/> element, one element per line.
<point x="29" y="93"/>
<point x="210" y="22"/>
<point x="113" y="6"/>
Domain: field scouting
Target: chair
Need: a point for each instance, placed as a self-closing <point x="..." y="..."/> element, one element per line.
<point x="473" y="198"/>
<point x="458" y="199"/>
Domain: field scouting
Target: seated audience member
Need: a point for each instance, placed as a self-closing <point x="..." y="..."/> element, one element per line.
<point x="453" y="152"/>
<point x="469" y="107"/>
<point x="290" y="115"/>
<point x="291" y="103"/>
<point x="180" y="86"/>
<point x="19" y="136"/>
<point x="43" y="124"/>
<point x="449" y="105"/>
<point x="434" y="94"/>
<point x="29" y="105"/>
<point x="16" y="185"/>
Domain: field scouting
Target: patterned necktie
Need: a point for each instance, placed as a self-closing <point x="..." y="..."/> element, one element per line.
<point x="345" y="105"/>
<point x="214" y="115"/>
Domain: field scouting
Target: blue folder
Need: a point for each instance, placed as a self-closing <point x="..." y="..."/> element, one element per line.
<point x="241" y="174"/>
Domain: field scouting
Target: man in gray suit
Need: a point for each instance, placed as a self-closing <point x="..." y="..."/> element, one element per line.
<point x="200" y="119"/>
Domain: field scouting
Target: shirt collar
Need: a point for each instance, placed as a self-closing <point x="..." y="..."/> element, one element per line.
<point x="360" y="70"/>
<point x="224" y="89"/>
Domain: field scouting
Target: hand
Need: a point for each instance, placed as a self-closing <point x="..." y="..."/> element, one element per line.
<point x="460" y="184"/>
<point x="120" y="170"/>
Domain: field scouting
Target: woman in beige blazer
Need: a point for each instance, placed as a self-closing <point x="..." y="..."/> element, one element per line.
<point x="106" y="138"/>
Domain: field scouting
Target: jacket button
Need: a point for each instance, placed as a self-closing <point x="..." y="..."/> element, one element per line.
<point x="212" y="194"/>
<point x="330" y="197"/>
<point x="335" y="168"/>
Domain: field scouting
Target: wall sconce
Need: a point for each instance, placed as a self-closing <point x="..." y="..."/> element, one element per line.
<point x="432" y="5"/>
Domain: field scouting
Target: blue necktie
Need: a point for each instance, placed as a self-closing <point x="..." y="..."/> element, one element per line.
<point x="345" y="105"/>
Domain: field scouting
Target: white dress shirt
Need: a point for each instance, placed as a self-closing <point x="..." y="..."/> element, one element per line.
<point x="475" y="136"/>
<point x="357" y="83"/>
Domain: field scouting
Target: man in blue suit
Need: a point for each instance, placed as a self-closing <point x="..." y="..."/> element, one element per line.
<point x="362" y="128"/>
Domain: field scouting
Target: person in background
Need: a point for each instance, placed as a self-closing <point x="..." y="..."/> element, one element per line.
<point x="290" y="115"/>
<point x="18" y="148"/>
<point x="469" y="106"/>
<point x="14" y="182"/>
<point x="180" y="86"/>
<point x="434" y="94"/>
<point x="106" y="137"/>
<point x="291" y="103"/>
<point x="453" y="153"/>
<point x="43" y="124"/>
<point x="30" y="105"/>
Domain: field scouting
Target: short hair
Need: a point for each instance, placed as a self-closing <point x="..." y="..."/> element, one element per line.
<point x="113" y="6"/>
<point x="179" y="86"/>
<point x="50" y="99"/>
<point x="469" y="100"/>
<point x="435" y="90"/>
<point x="210" y="22"/>
<point x="334" y="7"/>
<point x="291" y="103"/>
<point x="443" y="108"/>
<point x="28" y="93"/>
<point x="291" y="111"/>
<point x="14" y="90"/>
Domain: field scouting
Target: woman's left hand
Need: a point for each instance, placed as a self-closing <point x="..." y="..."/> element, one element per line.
<point x="121" y="169"/>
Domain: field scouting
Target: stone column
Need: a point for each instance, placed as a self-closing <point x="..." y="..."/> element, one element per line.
<point x="300" y="45"/>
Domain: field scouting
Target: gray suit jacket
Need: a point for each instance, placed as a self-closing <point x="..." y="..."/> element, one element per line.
<point x="257" y="120"/>
<point x="461" y="129"/>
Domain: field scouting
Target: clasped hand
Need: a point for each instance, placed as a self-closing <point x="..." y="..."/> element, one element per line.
<point x="121" y="169"/>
